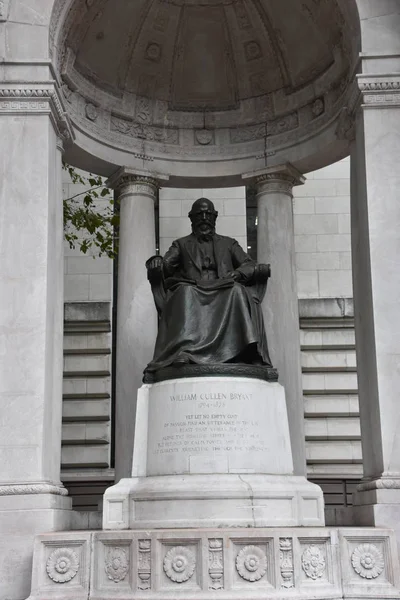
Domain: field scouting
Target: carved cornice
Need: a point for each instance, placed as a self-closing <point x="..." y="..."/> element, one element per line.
<point x="32" y="488"/>
<point x="379" y="91"/>
<point x="41" y="98"/>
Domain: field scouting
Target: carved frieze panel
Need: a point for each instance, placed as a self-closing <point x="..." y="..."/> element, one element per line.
<point x="116" y="563"/>
<point x="145" y="132"/>
<point x="144" y="564"/>
<point x="62" y="565"/>
<point x="216" y="563"/>
<point x="179" y="564"/>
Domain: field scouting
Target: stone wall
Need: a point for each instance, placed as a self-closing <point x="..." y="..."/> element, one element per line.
<point x="322" y="233"/>
<point x="86" y="279"/>
<point x="176" y="203"/>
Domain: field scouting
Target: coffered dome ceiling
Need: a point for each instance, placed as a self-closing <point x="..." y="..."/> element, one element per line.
<point x="190" y="77"/>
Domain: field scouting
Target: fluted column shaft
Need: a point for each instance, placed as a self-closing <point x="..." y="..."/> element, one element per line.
<point x="136" y="313"/>
<point x="275" y="243"/>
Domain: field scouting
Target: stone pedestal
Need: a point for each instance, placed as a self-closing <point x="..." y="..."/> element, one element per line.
<point x="209" y="452"/>
<point x="136" y="314"/>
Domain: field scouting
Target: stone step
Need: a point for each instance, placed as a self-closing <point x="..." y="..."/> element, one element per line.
<point x="86" y="341"/>
<point x="331" y="405"/>
<point x="328" y="337"/>
<point x="332" y="428"/>
<point x="334" y="470"/>
<point x="337" y="451"/>
<point x="85" y="433"/>
<point x="90" y="456"/>
<point x="79" y="384"/>
<point x="86" y="410"/>
<point x="330" y="381"/>
<point x="87" y="363"/>
<point x="326" y="323"/>
<point x="324" y="358"/>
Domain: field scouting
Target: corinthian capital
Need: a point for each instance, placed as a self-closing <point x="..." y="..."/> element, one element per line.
<point x="136" y="181"/>
<point x="281" y="178"/>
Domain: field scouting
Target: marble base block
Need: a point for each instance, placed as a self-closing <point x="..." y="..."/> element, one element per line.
<point x="26" y="511"/>
<point x="232" y="564"/>
<point x="209" y="452"/>
<point x="378" y="507"/>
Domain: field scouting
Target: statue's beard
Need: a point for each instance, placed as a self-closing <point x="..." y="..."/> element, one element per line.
<point x="203" y="233"/>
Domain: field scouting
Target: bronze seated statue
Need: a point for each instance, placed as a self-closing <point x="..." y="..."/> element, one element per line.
<point x="208" y="295"/>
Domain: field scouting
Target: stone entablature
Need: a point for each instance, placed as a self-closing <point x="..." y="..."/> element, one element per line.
<point x="33" y="99"/>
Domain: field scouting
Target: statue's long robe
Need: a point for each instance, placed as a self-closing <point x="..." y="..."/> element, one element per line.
<point x="207" y="317"/>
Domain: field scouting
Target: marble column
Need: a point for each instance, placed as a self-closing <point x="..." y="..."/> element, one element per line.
<point x="275" y="245"/>
<point x="32" y="499"/>
<point x="375" y="229"/>
<point x="136" y="313"/>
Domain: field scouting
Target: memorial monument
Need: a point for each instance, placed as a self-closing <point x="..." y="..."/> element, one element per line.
<point x="208" y="294"/>
<point x="213" y="507"/>
<point x="197" y="94"/>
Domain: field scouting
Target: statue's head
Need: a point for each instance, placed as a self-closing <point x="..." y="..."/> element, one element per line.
<point x="203" y="217"/>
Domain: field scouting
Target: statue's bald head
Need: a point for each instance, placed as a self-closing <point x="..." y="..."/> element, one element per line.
<point x="203" y="217"/>
<point x="201" y="205"/>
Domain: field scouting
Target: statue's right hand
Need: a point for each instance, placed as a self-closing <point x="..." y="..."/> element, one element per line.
<point x="154" y="263"/>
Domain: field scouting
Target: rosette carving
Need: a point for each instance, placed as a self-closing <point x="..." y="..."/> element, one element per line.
<point x="116" y="564"/>
<point x="179" y="564"/>
<point x="367" y="561"/>
<point x="251" y="563"/>
<point x="62" y="565"/>
<point x="313" y="562"/>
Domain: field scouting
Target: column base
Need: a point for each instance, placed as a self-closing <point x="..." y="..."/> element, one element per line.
<point x="22" y="517"/>
<point x="378" y="508"/>
<point x="218" y="500"/>
<point x="233" y="564"/>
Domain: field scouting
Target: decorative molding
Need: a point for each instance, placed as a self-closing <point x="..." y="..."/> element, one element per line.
<point x="179" y="564"/>
<point x="144" y="565"/>
<point x="313" y="562"/>
<point x="385" y="483"/>
<point x="62" y="565"/>
<point x="275" y="183"/>
<point x="379" y="92"/>
<point x="345" y="129"/>
<point x="216" y="563"/>
<point x="166" y="135"/>
<point x="251" y="563"/>
<point x="279" y="179"/>
<point x="91" y="111"/>
<point x="286" y="562"/>
<point x="284" y="124"/>
<point x="116" y="563"/>
<point x="367" y="561"/>
<point x="43" y="99"/>
<point x="148" y="181"/>
<point x="32" y="488"/>
<point x="204" y="137"/>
